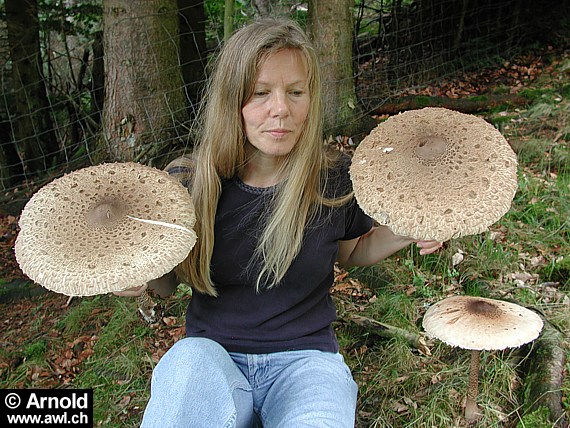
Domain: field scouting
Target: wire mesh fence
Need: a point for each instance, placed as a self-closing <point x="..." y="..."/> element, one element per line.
<point x="55" y="83"/>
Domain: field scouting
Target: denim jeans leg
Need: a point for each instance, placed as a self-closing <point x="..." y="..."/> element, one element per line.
<point x="196" y="384"/>
<point x="309" y="389"/>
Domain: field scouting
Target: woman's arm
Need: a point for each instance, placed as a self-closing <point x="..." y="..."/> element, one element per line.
<point x="163" y="286"/>
<point x="378" y="244"/>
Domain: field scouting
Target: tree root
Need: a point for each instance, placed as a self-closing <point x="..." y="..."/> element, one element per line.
<point x="544" y="374"/>
<point x="415" y="340"/>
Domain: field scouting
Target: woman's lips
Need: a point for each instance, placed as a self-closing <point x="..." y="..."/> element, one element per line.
<point x="278" y="133"/>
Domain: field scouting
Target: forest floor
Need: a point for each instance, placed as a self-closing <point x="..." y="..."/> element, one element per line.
<point x="100" y="342"/>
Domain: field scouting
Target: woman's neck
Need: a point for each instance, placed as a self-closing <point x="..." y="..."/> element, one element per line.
<point x="262" y="171"/>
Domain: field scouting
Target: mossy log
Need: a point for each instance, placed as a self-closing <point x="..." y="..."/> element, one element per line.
<point x="389" y="331"/>
<point x="544" y="374"/>
<point x="467" y="105"/>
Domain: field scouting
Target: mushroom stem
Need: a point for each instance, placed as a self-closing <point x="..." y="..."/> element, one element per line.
<point x="146" y="307"/>
<point x="471" y="409"/>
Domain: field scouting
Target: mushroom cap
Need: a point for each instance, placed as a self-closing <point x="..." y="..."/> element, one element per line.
<point x="79" y="235"/>
<point x="479" y="323"/>
<point x="434" y="174"/>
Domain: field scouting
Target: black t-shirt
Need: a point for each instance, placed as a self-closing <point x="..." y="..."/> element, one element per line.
<point x="298" y="312"/>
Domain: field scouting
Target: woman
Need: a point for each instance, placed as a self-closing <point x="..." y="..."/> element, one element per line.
<point x="274" y="212"/>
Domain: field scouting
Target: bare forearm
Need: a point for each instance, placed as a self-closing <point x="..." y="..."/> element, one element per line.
<point x="165" y="285"/>
<point x="374" y="246"/>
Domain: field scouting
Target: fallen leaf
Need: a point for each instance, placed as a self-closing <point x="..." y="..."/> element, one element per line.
<point x="169" y="321"/>
<point x="456" y="258"/>
<point x="125" y="401"/>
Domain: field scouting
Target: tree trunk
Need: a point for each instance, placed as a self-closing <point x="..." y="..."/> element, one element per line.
<point x="32" y="128"/>
<point x="460" y="26"/>
<point x="266" y="8"/>
<point x="330" y="27"/>
<point x="10" y="166"/>
<point x="97" y="78"/>
<point x="193" y="54"/>
<point x="229" y="7"/>
<point x="545" y="372"/>
<point x="144" y="98"/>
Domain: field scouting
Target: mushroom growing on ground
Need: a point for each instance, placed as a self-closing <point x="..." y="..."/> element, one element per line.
<point x="105" y="228"/>
<point x="434" y="174"/>
<point x="437" y="174"/>
<point x="477" y="324"/>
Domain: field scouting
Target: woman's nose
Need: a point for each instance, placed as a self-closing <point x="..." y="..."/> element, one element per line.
<point x="279" y="105"/>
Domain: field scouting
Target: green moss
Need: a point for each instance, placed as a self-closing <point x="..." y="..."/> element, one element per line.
<point x="423" y="101"/>
<point x="558" y="271"/>
<point x="533" y="94"/>
<point x="537" y="419"/>
<point x="495" y="120"/>
<point x="35" y="350"/>
<point x="478" y="98"/>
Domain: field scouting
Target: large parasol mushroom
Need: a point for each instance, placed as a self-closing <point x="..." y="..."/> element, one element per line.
<point x="477" y="324"/>
<point x="105" y="228"/>
<point x="434" y="174"/>
<point x="437" y="174"/>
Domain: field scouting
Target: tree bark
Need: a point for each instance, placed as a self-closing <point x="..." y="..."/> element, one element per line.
<point x="330" y="27"/>
<point x="544" y="375"/>
<point x="266" y="8"/>
<point x="144" y="98"/>
<point x="97" y="78"/>
<point x="32" y="133"/>
<point x="460" y="26"/>
<point x="10" y="166"/>
<point x="229" y="7"/>
<point x="193" y="54"/>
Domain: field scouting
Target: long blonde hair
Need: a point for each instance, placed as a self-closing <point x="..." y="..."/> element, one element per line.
<point x="222" y="153"/>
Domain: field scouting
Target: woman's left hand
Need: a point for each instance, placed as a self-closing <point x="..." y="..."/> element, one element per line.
<point x="429" y="247"/>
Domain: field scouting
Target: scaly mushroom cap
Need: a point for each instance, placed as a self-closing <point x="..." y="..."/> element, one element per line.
<point x="434" y="174"/>
<point x="79" y="235"/>
<point x="478" y="323"/>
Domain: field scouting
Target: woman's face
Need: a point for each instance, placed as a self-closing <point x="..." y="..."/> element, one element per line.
<point x="276" y="112"/>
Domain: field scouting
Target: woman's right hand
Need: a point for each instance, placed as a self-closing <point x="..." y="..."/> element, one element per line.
<point x="132" y="292"/>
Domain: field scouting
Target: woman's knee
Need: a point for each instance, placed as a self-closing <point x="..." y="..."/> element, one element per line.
<point x="201" y="372"/>
<point x="190" y="358"/>
<point x="196" y="349"/>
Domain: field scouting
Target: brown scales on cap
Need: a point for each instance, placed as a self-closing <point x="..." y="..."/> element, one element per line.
<point x="478" y="323"/>
<point x="434" y="174"/>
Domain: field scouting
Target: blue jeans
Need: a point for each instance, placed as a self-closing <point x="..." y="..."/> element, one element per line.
<point x="198" y="384"/>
